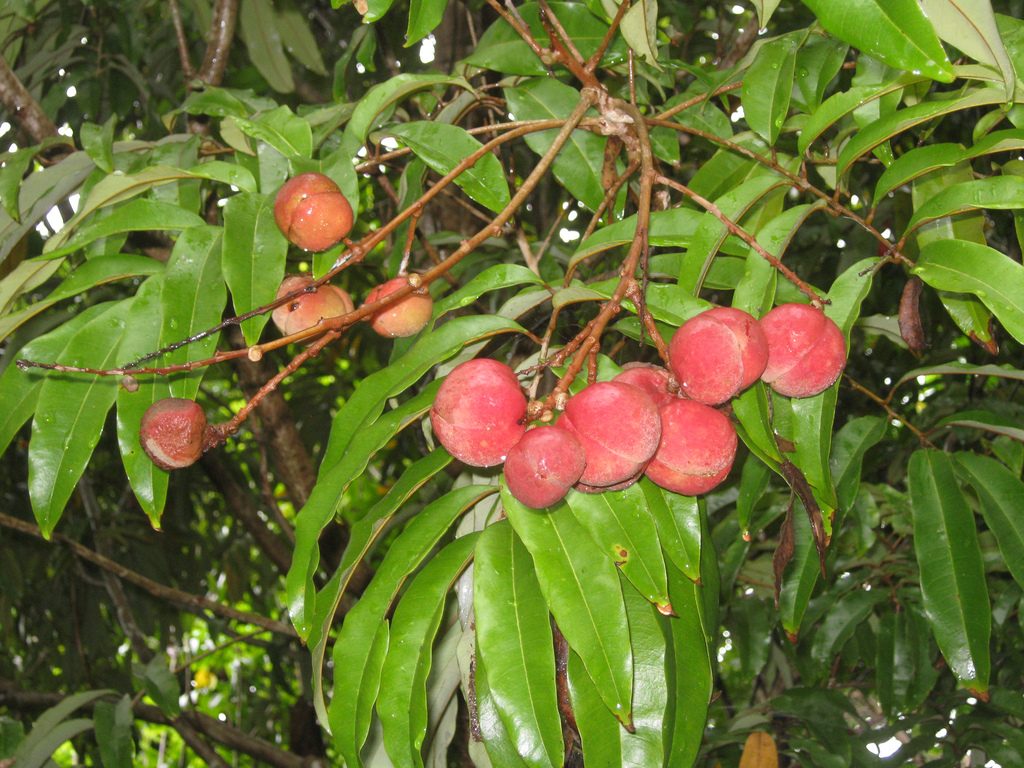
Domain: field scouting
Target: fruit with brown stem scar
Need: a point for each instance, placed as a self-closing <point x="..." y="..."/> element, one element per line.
<point x="172" y="432"/>
<point x="312" y="212"/>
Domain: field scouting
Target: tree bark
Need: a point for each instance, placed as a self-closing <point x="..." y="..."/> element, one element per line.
<point x="20" y="104"/>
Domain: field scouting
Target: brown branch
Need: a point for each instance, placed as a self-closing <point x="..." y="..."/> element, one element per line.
<point x="683" y="106"/>
<point x="522" y="30"/>
<point x="20" y="104"/>
<point x="598" y="54"/>
<point x="179" y="33"/>
<point x="192" y="603"/>
<point x="892" y="414"/>
<point x="740" y="46"/>
<point x="218" y="48"/>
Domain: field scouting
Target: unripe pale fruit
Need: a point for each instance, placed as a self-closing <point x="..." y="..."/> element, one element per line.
<point x="618" y="427"/>
<point x="307" y="309"/>
<point x="806" y="350"/>
<point x="311" y="211"/>
<point x="542" y="467"/>
<point x="404" y="318"/>
<point x="697" y="448"/>
<point x="717" y="354"/>
<point x="652" y="379"/>
<point x="479" y="412"/>
<point x="172" y="431"/>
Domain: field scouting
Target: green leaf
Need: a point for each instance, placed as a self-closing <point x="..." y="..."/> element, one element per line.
<point x="800" y="578"/>
<point x="958" y="265"/>
<point x="581" y="587"/>
<point x="982" y="419"/>
<point x="69" y="416"/>
<point x="361" y="644"/>
<point x="970" y="26"/>
<point x="995" y="193"/>
<point x="962" y="369"/>
<point x="678" y="526"/>
<point x="442" y="147"/>
<point x="768" y="86"/>
<point x="500" y="746"/>
<point x="402" y="704"/>
<point x="753" y="483"/>
<point x="904" y="673"/>
<point x="754" y="424"/>
<point x="298" y="39"/>
<point x="952" y="572"/>
<point x="624" y="529"/>
<point x="817" y="64"/>
<point x="114" y="732"/>
<point x="765" y="9"/>
<point x="385" y="95"/>
<point x="843" y="617"/>
<point x="493" y="278"/>
<point x="598" y="728"/>
<point x="25" y="277"/>
<point x="98" y="143"/>
<point x="15" y="164"/>
<point x="281" y="129"/>
<point x="640" y="30"/>
<point x="674" y="227"/>
<point x="578" y="166"/>
<point x="162" y="685"/>
<point x="916" y="163"/>
<point x="133" y="216"/>
<point x="895" y="31"/>
<point x="259" y="30"/>
<point x="424" y="17"/>
<point x="226" y="173"/>
<point x="849" y="447"/>
<point x="513" y="637"/>
<point x="253" y="257"/>
<point x="999" y="492"/>
<point x="905" y="119"/>
<point x="52" y="728"/>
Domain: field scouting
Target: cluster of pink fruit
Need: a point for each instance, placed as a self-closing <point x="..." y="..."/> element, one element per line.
<point x="645" y="421"/>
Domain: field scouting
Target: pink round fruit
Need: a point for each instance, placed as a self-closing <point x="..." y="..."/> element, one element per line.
<point x="172" y="432"/>
<point x="311" y="211"/>
<point x="542" y="467"/>
<point x="806" y="350"/>
<point x="308" y="309"/>
<point x="479" y="412"/>
<point x="717" y="354"/>
<point x="618" y="427"/>
<point x="697" y="448"/>
<point x="652" y="379"/>
<point x="406" y="317"/>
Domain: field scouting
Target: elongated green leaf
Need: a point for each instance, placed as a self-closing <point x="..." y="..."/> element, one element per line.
<point x="958" y="265"/>
<point x="581" y="587"/>
<point x="500" y="746"/>
<point x="768" y="86"/>
<point x="281" y="129"/>
<point x="402" y="704"/>
<point x="43" y="739"/>
<point x="253" y="257"/>
<point x="162" y="685"/>
<point x="384" y="96"/>
<point x="998" y="193"/>
<point x="513" y="637"/>
<point x="765" y="9"/>
<point x="114" y="732"/>
<point x="970" y="26"/>
<point x="754" y="424"/>
<point x="918" y="162"/>
<point x="674" y="227"/>
<point x="753" y="483"/>
<point x="895" y="31"/>
<point x="851" y="444"/>
<point x="15" y="164"/>
<point x="424" y="17"/>
<point x="259" y="30"/>
<point x="905" y="673"/>
<point x="999" y="492"/>
<point x="678" y="526"/>
<point x="578" y="166"/>
<point x="817" y="63"/>
<point x="800" y="578"/>
<point x="952" y="573"/>
<point x="838" y="626"/>
<point x="25" y="277"/>
<point x="299" y="40"/>
<point x="977" y="418"/>
<point x="648" y="636"/>
<point x="133" y="216"/>
<point x="904" y="119"/>
<point x="363" y="639"/>
<point x="491" y="279"/>
<point x="599" y="730"/>
<point x="69" y="416"/>
<point x="442" y="147"/>
<point x="38" y="756"/>
<point x="640" y="30"/>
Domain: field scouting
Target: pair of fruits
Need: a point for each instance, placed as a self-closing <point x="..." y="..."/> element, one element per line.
<point x="611" y="433"/>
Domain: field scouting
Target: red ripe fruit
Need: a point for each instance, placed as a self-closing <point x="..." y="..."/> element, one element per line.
<point x="307" y="309"/>
<point x="652" y="379"/>
<point x="404" y="318"/>
<point x="311" y="211"/>
<point x="479" y="412"/>
<point x="717" y="354"/>
<point x="542" y="467"/>
<point x="806" y="350"/>
<point x="697" y="448"/>
<point x="618" y="427"/>
<point x="172" y="432"/>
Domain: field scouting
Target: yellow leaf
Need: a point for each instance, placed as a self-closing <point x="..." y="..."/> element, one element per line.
<point x="759" y="752"/>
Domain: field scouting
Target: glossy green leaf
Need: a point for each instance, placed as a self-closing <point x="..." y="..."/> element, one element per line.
<point x="491" y="279"/>
<point x="765" y="9"/>
<point x="640" y="30"/>
<point x="996" y="193"/>
<point x="952" y="574"/>
<point x="25" y="277"/>
<point x="98" y="143"/>
<point x="904" y="671"/>
<point x="142" y="335"/>
<point x="918" y="162"/>
<point x="674" y="227"/>
<point x="384" y="96"/>
<point x="162" y="685"/>
<point x="623" y="527"/>
<point x="360" y="645"/>
<point x="258" y="28"/>
<point x="424" y="17"/>
<point x="957" y="265"/>
<point x="69" y="416"/>
<point x="514" y="639"/>
<point x="578" y="166"/>
<point x="499" y="744"/>
<point x="226" y="173"/>
<point x="581" y="587"/>
<point x="999" y="494"/>
<point x="114" y="732"/>
<point x="801" y="576"/>
<point x="970" y="26"/>
<point x="133" y="216"/>
<point x="902" y="120"/>
<point x="282" y="129"/>
<point x="442" y="147"/>
<point x="851" y="444"/>
<point x="817" y="63"/>
<point x="598" y="728"/>
<point x="15" y="164"/>
<point x="895" y="31"/>
<point x="38" y="754"/>
<point x="648" y="635"/>
<point x="678" y="526"/>
<point x="299" y="40"/>
<point x="843" y="617"/>
<point x="989" y="421"/>
<point x="754" y="424"/>
<point x="768" y="86"/>
<point x="253" y="257"/>
<point x="402" y="704"/>
<point x="753" y="483"/>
